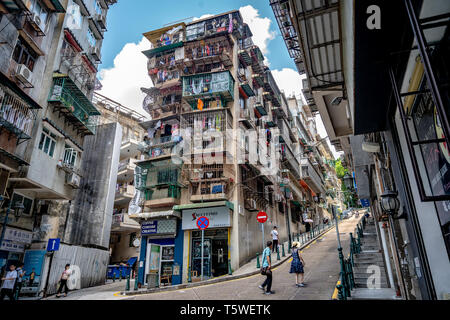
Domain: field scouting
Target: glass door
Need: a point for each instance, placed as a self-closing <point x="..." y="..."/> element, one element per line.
<point x="166" y="270"/>
<point x="153" y="265"/>
<point x="197" y="257"/>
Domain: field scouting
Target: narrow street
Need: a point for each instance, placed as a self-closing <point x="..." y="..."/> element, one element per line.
<point x="321" y="275"/>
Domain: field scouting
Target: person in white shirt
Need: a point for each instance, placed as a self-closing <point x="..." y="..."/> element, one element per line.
<point x="8" y="283"/>
<point x="274" y="234"/>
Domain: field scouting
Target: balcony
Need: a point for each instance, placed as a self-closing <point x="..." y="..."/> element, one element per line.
<point x="71" y="103"/>
<point x="210" y="51"/>
<point x="162" y="197"/>
<point x="208" y="191"/>
<point x="209" y="85"/>
<point x="124" y="193"/>
<point x="121" y="222"/>
<point x="165" y="39"/>
<point x="125" y="171"/>
<point x="16" y="116"/>
<point x="289" y="161"/>
<point x="246" y="116"/>
<point x="310" y="176"/>
<point x="129" y="149"/>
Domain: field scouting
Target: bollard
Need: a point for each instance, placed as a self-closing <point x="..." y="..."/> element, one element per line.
<point x="135" y="283"/>
<point x="282" y="248"/>
<point x="230" y="272"/>
<point x="258" y="265"/>
<point x="127" y="286"/>
<point x="120" y="274"/>
<point x="278" y="254"/>
<point x="114" y="276"/>
<point x="340" y="292"/>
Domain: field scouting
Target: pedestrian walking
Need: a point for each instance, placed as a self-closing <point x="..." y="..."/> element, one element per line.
<point x="297" y="264"/>
<point x="8" y="283"/>
<point x="266" y="269"/>
<point x="63" y="281"/>
<point x="274" y="234"/>
<point x="19" y="281"/>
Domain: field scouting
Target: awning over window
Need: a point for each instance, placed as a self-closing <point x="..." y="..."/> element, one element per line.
<point x="229" y="204"/>
<point x="156" y="214"/>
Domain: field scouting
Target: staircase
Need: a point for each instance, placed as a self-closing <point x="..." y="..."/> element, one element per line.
<point x="366" y="266"/>
<point x="369" y="259"/>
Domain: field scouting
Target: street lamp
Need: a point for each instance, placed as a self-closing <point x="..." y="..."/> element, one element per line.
<point x="389" y="202"/>
<point x="348" y="181"/>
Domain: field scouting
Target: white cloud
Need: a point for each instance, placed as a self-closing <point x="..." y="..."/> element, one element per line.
<point x="203" y="17"/>
<point x="122" y="82"/>
<point x="259" y="26"/>
<point x="289" y="81"/>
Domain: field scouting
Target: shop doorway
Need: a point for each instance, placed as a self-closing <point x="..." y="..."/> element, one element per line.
<point x="215" y="253"/>
<point x="159" y="265"/>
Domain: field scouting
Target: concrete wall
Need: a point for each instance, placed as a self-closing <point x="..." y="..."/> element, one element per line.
<point x="121" y="251"/>
<point x="90" y="217"/>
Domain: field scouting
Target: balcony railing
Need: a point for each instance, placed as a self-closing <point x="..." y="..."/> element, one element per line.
<point x="162" y="197"/>
<point x="74" y="105"/>
<point x="15" y="115"/>
<point x="219" y="84"/>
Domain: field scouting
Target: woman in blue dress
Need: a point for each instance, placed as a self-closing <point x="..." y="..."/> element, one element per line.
<point x="297" y="265"/>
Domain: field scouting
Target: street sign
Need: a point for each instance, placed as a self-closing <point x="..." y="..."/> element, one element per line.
<point x="202" y="223"/>
<point x="365" y="202"/>
<point x="53" y="244"/>
<point x="261" y="217"/>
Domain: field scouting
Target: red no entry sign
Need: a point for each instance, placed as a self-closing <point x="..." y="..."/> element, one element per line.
<point x="261" y="217"/>
<point x="202" y="223"/>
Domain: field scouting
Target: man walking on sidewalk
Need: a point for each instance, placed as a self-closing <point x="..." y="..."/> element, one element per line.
<point x="274" y="234"/>
<point x="8" y="283"/>
<point x="266" y="269"/>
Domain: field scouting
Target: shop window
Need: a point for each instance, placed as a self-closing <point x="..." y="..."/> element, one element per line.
<point x="48" y="142"/>
<point x="23" y="54"/>
<point x="132" y="238"/>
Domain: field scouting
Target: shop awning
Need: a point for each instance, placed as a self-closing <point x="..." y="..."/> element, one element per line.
<point x="131" y="261"/>
<point x="229" y="204"/>
<point x="156" y="214"/>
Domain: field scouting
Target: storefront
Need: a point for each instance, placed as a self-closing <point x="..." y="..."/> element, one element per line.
<point x="13" y="246"/>
<point x="216" y="253"/>
<point x="161" y="251"/>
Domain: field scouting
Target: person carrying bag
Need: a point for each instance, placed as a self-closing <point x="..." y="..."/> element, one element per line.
<point x="266" y="269"/>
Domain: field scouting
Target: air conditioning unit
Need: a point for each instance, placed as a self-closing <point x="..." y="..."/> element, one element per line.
<point x="23" y="74"/>
<point x="73" y="180"/>
<point x="36" y="23"/>
<point x="101" y="20"/>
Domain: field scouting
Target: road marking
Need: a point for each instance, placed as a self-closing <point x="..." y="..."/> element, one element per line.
<point x="116" y="294"/>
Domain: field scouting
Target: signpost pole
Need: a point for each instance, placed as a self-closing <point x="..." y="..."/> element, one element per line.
<point x="262" y="229"/>
<point x="203" y="238"/>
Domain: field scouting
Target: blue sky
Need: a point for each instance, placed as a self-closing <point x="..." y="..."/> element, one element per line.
<point x="128" y="19"/>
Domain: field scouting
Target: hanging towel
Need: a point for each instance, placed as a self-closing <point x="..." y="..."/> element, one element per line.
<point x="200" y="104"/>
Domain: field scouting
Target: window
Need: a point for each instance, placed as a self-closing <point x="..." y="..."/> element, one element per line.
<point x="23" y="54"/>
<point x="70" y="156"/>
<point x="47" y="142"/>
<point x="91" y="38"/>
<point x="27" y="203"/>
<point x="98" y="8"/>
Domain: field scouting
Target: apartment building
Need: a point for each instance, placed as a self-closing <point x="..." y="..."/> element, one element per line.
<point x="49" y="60"/>
<point x="219" y="144"/>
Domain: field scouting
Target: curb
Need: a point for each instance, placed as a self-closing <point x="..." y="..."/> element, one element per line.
<point x="219" y="279"/>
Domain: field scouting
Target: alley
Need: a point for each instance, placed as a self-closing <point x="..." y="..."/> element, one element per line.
<point x="321" y="275"/>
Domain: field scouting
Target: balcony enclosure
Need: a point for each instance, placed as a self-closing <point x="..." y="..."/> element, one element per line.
<point x="160" y="183"/>
<point x="163" y="136"/>
<point x="223" y="24"/>
<point x="162" y="103"/>
<point x="311" y="176"/>
<point x="216" y="50"/>
<point x="212" y="127"/>
<point x="209" y="85"/>
<point x="15" y="114"/>
<point x="210" y="182"/>
<point x="67" y="99"/>
<point x="166" y="38"/>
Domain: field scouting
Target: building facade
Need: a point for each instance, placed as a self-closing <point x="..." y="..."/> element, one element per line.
<point x="52" y="51"/>
<point x="392" y="125"/>
<point x="221" y="144"/>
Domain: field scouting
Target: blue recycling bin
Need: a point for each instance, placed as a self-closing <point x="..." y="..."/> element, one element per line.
<point x="114" y="269"/>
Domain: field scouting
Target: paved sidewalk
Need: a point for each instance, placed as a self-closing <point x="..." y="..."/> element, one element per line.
<point x="116" y="290"/>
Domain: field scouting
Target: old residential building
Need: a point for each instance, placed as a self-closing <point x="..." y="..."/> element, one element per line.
<point x="52" y="50"/>
<point x="221" y="143"/>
